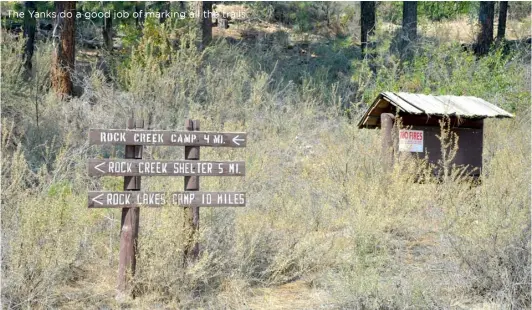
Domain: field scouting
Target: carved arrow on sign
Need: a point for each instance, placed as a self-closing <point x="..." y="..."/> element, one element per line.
<point x="236" y="140"/>
<point x="97" y="167"/>
<point x="95" y="199"/>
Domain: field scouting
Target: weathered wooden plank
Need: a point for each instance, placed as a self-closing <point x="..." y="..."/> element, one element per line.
<point x="434" y="120"/>
<point x="165" y="137"/>
<point x="102" y="199"/>
<point x="124" y="167"/>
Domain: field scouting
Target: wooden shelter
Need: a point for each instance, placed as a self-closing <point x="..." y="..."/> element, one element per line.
<point x="420" y="117"/>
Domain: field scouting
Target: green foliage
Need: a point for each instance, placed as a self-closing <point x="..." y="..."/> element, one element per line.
<point x="154" y="48"/>
<point x="131" y="36"/>
<point x="430" y="10"/>
<point x="14" y="6"/>
<point x="497" y="77"/>
<point x="104" y="6"/>
<point x="437" y="11"/>
<point x="18" y="6"/>
<point x="303" y="16"/>
<point x="60" y="190"/>
<point x="390" y="11"/>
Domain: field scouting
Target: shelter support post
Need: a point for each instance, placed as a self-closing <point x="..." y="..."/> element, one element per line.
<point x="387" y="124"/>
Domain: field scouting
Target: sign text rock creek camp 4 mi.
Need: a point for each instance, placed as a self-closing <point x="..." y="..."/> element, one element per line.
<point x="168" y="138"/>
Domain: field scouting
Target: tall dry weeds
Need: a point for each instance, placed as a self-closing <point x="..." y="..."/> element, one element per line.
<point x="321" y="208"/>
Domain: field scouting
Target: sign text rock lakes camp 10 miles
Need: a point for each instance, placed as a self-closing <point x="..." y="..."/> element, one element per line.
<point x="157" y="199"/>
<point x="164" y="137"/>
<point x="136" y="167"/>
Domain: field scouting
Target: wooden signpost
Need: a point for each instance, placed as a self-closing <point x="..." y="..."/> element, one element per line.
<point x="133" y="166"/>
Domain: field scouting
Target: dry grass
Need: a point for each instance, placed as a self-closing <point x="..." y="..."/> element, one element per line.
<point x="464" y="30"/>
<point x="325" y="226"/>
<point x="294" y="295"/>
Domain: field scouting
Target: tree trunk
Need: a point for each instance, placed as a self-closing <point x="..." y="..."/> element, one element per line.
<point x="165" y="7"/>
<point x="107" y="32"/>
<point x="29" y="34"/>
<point x="204" y="22"/>
<point x="182" y="7"/>
<point x="503" y="12"/>
<point x="485" y="36"/>
<point x="140" y="9"/>
<point x="367" y="24"/>
<point x="409" y="31"/>
<point x="63" y="56"/>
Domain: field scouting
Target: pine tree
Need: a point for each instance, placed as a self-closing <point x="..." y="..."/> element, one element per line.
<point x="503" y="12"/>
<point x="485" y="36"/>
<point x="203" y="12"/>
<point x="63" y="56"/>
<point x="367" y="24"/>
<point x="29" y="35"/>
<point x="409" y="29"/>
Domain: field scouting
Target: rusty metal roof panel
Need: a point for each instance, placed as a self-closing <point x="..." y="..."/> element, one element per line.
<point x="402" y="104"/>
<point x="464" y="106"/>
<point x="418" y="104"/>
<point x="426" y="104"/>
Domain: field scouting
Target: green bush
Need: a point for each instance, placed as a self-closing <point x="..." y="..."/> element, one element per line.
<point x="445" y="68"/>
<point x="302" y="16"/>
<point x="429" y="10"/>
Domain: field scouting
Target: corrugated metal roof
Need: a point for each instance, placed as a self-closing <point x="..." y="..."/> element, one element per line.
<point x="461" y="106"/>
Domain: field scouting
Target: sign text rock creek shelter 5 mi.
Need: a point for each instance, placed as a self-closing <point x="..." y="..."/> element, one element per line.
<point x="135" y="167"/>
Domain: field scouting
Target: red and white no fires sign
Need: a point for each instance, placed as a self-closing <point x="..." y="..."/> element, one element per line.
<point x="410" y="140"/>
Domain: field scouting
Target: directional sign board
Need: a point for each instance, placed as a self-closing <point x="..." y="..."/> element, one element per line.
<point x="139" y="167"/>
<point x="157" y="199"/>
<point x="164" y="137"/>
<point x="133" y="166"/>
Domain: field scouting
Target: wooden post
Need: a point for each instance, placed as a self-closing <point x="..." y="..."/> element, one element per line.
<point x="387" y="121"/>
<point x="130" y="223"/>
<point x="191" y="222"/>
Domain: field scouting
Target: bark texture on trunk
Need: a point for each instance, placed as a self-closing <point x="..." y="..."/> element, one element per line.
<point x="503" y="13"/>
<point x="409" y="21"/>
<point x="203" y="12"/>
<point x="140" y="9"/>
<point x="485" y="36"/>
<point x="63" y="58"/>
<point x="165" y="7"/>
<point x="29" y="34"/>
<point x="107" y="32"/>
<point x="367" y="24"/>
